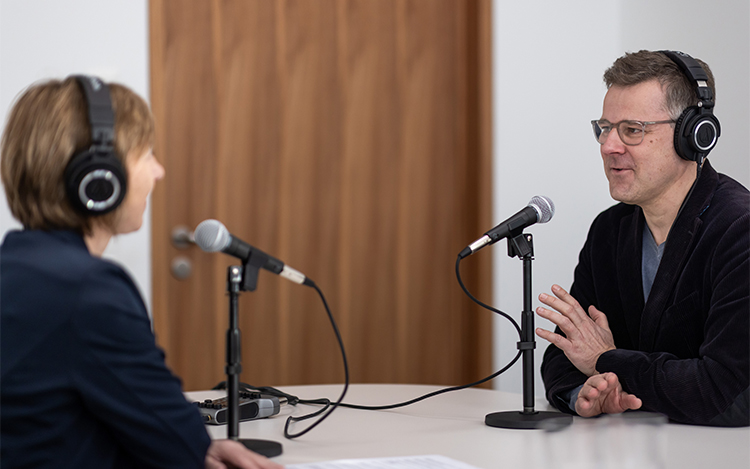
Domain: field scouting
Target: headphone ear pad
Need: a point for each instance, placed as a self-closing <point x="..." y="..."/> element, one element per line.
<point x="95" y="182"/>
<point x="695" y="133"/>
<point x="682" y="134"/>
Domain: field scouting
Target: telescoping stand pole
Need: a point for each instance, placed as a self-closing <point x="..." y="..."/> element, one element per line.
<point x="522" y="246"/>
<point x="235" y="284"/>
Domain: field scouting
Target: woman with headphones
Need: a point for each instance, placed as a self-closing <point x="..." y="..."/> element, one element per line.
<point x="83" y="383"/>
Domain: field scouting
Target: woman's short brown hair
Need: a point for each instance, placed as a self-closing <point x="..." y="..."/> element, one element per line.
<point x="47" y="126"/>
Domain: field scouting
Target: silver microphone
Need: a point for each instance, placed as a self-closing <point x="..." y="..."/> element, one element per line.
<point x="213" y="236"/>
<point x="539" y="210"/>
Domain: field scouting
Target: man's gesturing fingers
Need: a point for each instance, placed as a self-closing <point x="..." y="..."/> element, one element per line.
<point x="565" y="304"/>
<point x="599" y="318"/>
<point x="560" y="342"/>
<point x="583" y="338"/>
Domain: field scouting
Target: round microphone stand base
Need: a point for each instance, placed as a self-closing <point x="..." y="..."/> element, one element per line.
<point x="266" y="448"/>
<point x="520" y="420"/>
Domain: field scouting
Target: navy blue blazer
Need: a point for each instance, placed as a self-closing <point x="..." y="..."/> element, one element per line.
<point x="686" y="351"/>
<point x="83" y="383"/>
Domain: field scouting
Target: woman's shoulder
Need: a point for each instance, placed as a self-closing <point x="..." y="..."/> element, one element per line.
<point x="61" y="261"/>
<point x="60" y="251"/>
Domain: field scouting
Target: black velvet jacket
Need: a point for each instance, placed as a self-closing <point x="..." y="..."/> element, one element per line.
<point x="686" y="352"/>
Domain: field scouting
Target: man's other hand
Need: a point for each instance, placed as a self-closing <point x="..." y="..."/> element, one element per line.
<point x="603" y="394"/>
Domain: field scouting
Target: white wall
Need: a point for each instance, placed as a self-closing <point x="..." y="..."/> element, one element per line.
<point x="549" y="57"/>
<point x="42" y="39"/>
<point x="548" y="60"/>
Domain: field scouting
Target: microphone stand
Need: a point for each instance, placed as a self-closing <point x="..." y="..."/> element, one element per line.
<point x="522" y="246"/>
<point x="240" y="279"/>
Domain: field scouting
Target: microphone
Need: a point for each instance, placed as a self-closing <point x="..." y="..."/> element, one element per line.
<point x="540" y="210"/>
<point x="213" y="236"/>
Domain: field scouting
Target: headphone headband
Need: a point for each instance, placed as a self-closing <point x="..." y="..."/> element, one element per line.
<point x="696" y="129"/>
<point x="95" y="179"/>
<point x="101" y="116"/>
<point x="693" y="70"/>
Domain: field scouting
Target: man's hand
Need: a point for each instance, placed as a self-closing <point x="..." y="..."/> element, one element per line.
<point x="603" y="394"/>
<point x="224" y="454"/>
<point x="585" y="337"/>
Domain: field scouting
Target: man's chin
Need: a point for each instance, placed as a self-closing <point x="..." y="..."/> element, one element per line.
<point x="619" y="196"/>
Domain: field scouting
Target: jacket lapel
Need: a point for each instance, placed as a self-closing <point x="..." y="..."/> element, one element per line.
<point x="676" y="252"/>
<point x="629" y="272"/>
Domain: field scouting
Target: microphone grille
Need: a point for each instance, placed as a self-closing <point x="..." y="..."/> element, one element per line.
<point x="544" y="207"/>
<point x="212" y="236"/>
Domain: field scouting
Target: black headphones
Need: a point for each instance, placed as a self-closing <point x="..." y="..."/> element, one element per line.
<point x="697" y="129"/>
<point x="95" y="179"/>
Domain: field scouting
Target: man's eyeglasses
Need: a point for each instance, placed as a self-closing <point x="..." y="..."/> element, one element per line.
<point x="630" y="132"/>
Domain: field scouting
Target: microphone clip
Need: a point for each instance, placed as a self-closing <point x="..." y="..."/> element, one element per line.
<point x="521" y="246"/>
<point x="254" y="262"/>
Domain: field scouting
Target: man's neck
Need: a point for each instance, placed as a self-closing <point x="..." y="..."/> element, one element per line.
<point x="661" y="215"/>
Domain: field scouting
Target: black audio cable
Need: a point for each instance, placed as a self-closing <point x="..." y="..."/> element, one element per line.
<point x="329" y="406"/>
<point x="294" y="400"/>
<point x="463" y="386"/>
<point x="452" y="388"/>
<point x="326" y="403"/>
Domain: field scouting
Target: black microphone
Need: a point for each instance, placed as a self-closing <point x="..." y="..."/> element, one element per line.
<point x="540" y="210"/>
<point x="213" y="236"/>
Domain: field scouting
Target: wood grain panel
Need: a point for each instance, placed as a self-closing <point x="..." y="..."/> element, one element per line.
<point x="349" y="138"/>
<point x="185" y="105"/>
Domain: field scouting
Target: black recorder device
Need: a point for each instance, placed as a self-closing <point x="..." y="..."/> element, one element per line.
<point x="252" y="406"/>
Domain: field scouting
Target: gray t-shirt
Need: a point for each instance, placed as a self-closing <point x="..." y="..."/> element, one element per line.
<point x="650" y="259"/>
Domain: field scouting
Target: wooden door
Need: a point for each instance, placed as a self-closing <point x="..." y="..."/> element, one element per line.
<point x="348" y="138"/>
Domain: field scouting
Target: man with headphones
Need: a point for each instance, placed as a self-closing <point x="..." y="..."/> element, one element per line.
<point x="657" y="316"/>
<point x="82" y="381"/>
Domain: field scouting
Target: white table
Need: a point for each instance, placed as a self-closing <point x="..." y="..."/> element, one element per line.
<point x="452" y="425"/>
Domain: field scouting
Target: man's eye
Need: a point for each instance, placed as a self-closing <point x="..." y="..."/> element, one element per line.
<point x="633" y="130"/>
